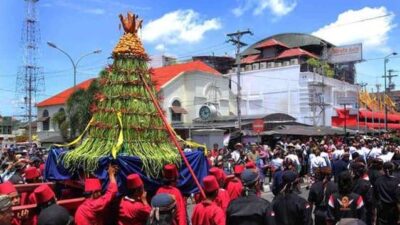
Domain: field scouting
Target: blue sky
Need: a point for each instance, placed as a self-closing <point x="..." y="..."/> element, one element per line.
<point x="186" y="28"/>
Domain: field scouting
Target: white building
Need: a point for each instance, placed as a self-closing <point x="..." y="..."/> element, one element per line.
<point x="183" y="88"/>
<point x="47" y="130"/>
<point x="276" y="79"/>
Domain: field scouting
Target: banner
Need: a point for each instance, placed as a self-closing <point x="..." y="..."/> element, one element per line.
<point x="344" y="54"/>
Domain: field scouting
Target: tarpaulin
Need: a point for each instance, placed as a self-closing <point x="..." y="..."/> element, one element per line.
<point x="130" y="164"/>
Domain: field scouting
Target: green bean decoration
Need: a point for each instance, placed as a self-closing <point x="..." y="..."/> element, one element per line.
<point x="121" y="91"/>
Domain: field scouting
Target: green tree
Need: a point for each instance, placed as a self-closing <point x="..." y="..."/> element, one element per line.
<point x="78" y="108"/>
<point x="322" y="67"/>
<point x="60" y="118"/>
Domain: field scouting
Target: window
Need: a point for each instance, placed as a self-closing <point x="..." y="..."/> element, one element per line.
<point x="46" y="120"/>
<point x="176" y="114"/>
<point x="213" y="94"/>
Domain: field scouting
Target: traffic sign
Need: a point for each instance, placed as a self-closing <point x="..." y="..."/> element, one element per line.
<point x="347" y="100"/>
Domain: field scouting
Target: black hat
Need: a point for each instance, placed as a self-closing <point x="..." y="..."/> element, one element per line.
<point x="289" y="176"/>
<point x="164" y="202"/>
<point x="249" y="176"/>
<point x="55" y="215"/>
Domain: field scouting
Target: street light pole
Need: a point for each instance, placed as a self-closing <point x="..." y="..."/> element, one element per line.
<point x="74" y="64"/>
<point x="385" y="61"/>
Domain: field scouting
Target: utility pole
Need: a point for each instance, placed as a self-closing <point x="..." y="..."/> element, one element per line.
<point x="318" y="91"/>
<point x="391" y="85"/>
<point x="235" y="39"/>
<point x="363" y="86"/>
<point x="373" y="119"/>
<point x="378" y="95"/>
<point x="385" y="61"/>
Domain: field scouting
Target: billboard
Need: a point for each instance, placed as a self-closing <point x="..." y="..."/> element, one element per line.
<point x="346" y="53"/>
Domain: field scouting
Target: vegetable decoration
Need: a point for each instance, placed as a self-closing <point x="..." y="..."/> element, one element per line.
<point x="125" y="120"/>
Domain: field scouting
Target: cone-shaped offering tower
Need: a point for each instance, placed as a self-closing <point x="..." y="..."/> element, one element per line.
<point x="125" y="119"/>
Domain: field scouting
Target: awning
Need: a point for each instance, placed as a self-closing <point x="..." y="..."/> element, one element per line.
<point x="43" y="119"/>
<point x="382" y="126"/>
<point x="379" y="115"/>
<point x="178" y="109"/>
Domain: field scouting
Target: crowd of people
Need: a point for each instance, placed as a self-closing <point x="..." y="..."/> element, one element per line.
<point x="350" y="181"/>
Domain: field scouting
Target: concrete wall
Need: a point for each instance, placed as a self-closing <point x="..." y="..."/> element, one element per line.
<point x="193" y="89"/>
<point x="287" y="90"/>
<point x="53" y="128"/>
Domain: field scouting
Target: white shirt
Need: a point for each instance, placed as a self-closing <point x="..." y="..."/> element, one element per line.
<point x="294" y="158"/>
<point x="316" y="162"/>
<point x="352" y="149"/>
<point x="386" y="157"/>
<point x="375" y="152"/>
<point x="235" y="155"/>
<point x="337" y="154"/>
<point x="325" y="156"/>
<point x="277" y="163"/>
<point x="187" y="150"/>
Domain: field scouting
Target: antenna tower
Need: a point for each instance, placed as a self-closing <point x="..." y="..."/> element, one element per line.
<point x="30" y="78"/>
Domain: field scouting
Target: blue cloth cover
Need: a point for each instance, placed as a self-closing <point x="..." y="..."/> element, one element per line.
<point x="54" y="171"/>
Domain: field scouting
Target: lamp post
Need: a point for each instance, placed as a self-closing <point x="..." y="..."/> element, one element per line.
<point x="74" y="63"/>
<point x="385" y="61"/>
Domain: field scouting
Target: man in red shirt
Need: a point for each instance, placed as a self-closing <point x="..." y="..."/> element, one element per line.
<point x="8" y="189"/>
<point x="163" y="210"/>
<point x="222" y="199"/>
<point x="92" y="210"/>
<point x="32" y="175"/>
<point x="134" y="208"/>
<point x="170" y="173"/>
<point x="207" y="212"/>
<point x="235" y="186"/>
<point x="6" y="213"/>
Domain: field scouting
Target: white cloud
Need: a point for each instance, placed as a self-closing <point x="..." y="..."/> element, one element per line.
<point x="96" y="11"/>
<point x="160" y="47"/>
<point x="276" y="7"/>
<point x="369" y="26"/>
<point x="177" y="27"/>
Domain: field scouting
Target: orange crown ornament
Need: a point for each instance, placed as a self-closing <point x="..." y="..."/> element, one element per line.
<point x="129" y="44"/>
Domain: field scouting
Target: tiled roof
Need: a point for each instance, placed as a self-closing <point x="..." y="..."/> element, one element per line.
<point x="285" y="54"/>
<point x="295" y="52"/>
<point x="250" y="59"/>
<point x="270" y="43"/>
<point x="61" y="98"/>
<point x="161" y="76"/>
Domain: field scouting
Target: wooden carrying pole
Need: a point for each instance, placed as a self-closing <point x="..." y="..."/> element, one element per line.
<point x="171" y="133"/>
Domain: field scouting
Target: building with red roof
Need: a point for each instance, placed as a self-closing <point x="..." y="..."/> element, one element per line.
<point x="276" y="78"/>
<point x="184" y="88"/>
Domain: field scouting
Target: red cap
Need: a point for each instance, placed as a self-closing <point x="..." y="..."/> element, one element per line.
<point x="41" y="168"/>
<point x="216" y="172"/>
<point x="251" y="165"/>
<point x="210" y="184"/>
<point x="43" y="194"/>
<point x="7" y="188"/>
<point x="238" y="169"/>
<point x="92" y="184"/>
<point x="31" y="173"/>
<point x="170" y="172"/>
<point x="134" y="181"/>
